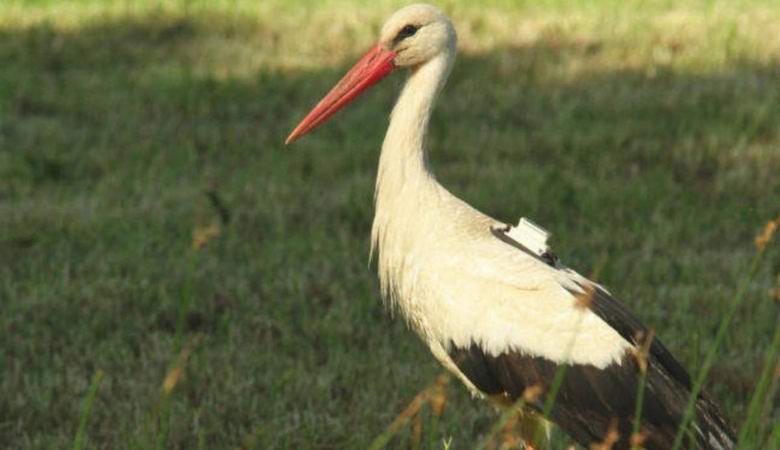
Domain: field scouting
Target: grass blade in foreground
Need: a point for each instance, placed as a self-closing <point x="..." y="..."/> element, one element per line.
<point x="760" y="397"/>
<point x="641" y="357"/>
<point x="530" y="394"/>
<point x="761" y="243"/>
<point x="86" y="411"/>
<point x="427" y="395"/>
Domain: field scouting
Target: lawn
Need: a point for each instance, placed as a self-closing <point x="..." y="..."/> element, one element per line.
<point x="161" y="248"/>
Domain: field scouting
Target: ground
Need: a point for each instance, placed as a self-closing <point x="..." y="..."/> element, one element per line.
<point x="160" y="247"/>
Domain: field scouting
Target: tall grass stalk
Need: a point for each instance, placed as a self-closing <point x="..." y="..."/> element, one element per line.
<point x="438" y="402"/>
<point x="433" y="430"/>
<point x="162" y="413"/>
<point x="766" y="424"/>
<point x="721" y="333"/>
<point x="549" y="401"/>
<point x="506" y="416"/>
<point x="641" y="356"/>
<point x="774" y="438"/>
<point x="86" y="411"/>
<point x="185" y="299"/>
<point x="416" y="437"/>
<point x="763" y="387"/>
<point x="163" y="421"/>
<point x="411" y="410"/>
<point x="640" y="397"/>
<point x="174" y="374"/>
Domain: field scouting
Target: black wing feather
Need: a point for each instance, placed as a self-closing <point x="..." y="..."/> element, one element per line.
<point x="589" y="399"/>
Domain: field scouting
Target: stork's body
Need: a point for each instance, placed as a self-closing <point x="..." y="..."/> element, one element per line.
<point x="494" y="313"/>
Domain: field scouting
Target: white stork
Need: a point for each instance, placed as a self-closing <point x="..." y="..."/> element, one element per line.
<point x="494" y="306"/>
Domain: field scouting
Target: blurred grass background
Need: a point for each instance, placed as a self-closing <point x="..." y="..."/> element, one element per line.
<point x="643" y="135"/>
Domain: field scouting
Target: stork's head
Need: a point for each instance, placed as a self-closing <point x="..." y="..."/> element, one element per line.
<point x="411" y="37"/>
<point x="416" y="34"/>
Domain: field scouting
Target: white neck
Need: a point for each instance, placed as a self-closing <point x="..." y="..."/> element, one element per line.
<point x="403" y="159"/>
<point x="404" y="183"/>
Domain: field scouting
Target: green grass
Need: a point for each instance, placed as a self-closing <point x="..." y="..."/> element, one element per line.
<point x="644" y="135"/>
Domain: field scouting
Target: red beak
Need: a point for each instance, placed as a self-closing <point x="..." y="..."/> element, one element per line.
<point x="372" y="67"/>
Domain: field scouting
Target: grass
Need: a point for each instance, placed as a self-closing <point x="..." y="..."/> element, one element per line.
<point x="644" y="135"/>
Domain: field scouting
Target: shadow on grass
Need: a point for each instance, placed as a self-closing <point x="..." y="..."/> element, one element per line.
<point x="113" y="131"/>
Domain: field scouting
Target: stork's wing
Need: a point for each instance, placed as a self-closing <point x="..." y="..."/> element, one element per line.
<point x="617" y="316"/>
<point x="601" y="303"/>
<point x="593" y="399"/>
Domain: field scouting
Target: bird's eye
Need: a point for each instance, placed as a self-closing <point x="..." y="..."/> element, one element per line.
<point x="405" y="32"/>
